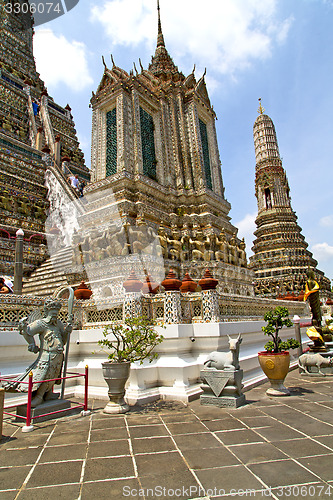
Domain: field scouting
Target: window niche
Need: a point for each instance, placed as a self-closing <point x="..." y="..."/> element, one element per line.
<point x="268" y="199"/>
<point x="148" y="144"/>
<point x="111" y="142"/>
<point x="205" y="150"/>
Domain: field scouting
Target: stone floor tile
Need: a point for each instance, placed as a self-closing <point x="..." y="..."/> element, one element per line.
<point x="109" y="448"/>
<point x="328" y="440"/>
<point x="179" y="418"/>
<point x="279" y="432"/>
<point x="150" y="445"/>
<point x="186" y="428"/>
<point x="239" y="437"/>
<point x="312" y="427"/>
<point x="227" y="479"/>
<point x="196" y="441"/>
<point x="8" y="495"/>
<point x="13" y="477"/>
<point x="282" y="473"/>
<point x="25" y="440"/>
<point x="322" y="466"/>
<point x="179" y="485"/>
<point x="58" y="473"/>
<point x="117" y="489"/>
<point x="108" y="468"/>
<point x="65" y="452"/>
<point x="313" y="491"/>
<point x="205" y="459"/>
<point x="301" y="448"/>
<point x="108" y="434"/>
<point x="67" y="492"/>
<point x="224" y="424"/>
<point x="108" y="423"/>
<point x="68" y="438"/>
<point x="134" y="420"/>
<point x="148" y="430"/>
<point x="260" y="452"/>
<point x="157" y="464"/>
<point x="26" y="456"/>
<point x="259" y="421"/>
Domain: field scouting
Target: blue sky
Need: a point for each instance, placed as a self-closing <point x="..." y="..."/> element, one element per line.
<point x="279" y="50"/>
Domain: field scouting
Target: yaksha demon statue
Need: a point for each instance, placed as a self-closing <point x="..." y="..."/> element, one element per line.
<point x="53" y="336"/>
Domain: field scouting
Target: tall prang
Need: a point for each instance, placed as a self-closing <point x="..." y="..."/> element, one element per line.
<point x="154" y="143"/>
<point x="281" y="256"/>
<point x="36" y="135"/>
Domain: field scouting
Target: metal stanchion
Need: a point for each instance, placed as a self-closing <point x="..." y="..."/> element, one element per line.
<point x="28" y="427"/>
<point x="2" y="399"/>
<point x="85" y="410"/>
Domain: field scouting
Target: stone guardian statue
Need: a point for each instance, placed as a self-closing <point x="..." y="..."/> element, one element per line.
<point x="53" y="335"/>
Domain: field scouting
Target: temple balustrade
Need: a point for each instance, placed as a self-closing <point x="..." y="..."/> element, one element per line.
<point x="94" y="314"/>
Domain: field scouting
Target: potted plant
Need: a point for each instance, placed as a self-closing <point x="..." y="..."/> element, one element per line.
<point x="275" y="360"/>
<point x="133" y="340"/>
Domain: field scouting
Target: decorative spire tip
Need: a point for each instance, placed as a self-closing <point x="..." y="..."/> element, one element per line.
<point x="261" y="110"/>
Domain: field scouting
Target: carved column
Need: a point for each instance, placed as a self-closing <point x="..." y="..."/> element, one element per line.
<point x="210" y="306"/>
<point x="172" y="308"/>
<point x="132" y="305"/>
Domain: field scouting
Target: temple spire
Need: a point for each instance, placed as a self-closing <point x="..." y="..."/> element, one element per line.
<point x="160" y="38"/>
<point x="261" y="109"/>
<point x="162" y="63"/>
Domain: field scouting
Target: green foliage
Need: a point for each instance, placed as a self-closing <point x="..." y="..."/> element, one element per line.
<point x="133" y="340"/>
<point x="276" y="320"/>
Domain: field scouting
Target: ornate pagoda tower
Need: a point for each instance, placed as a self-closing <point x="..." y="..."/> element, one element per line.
<point x="154" y="143"/>
<point x="281" y="256"/>
<point x="36" y="135"/>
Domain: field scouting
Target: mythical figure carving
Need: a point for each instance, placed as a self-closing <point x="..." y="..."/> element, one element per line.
<point x="221" y="242"/>
<point x="242" y="254"/>
<point x="53" y="336"/>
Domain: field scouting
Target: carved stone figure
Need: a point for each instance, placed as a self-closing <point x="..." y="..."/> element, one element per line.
<point x="163" y="242"/>
<point x="314" y="359"/>
<point x="221" y="242"/>
<point x="176" y="245"/>
<point x="53" y="336"/>
<point x="242" y="254"/>
<point x="222" y="360"/>
<point x="233" y="254"/>
<point x="199" y="245"/>
<point x="312" y="293"/>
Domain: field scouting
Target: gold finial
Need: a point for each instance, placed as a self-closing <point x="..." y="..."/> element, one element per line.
<point x="261" y="110"/>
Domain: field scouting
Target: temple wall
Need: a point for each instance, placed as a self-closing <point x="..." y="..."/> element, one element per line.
<point x="175" y="374"/>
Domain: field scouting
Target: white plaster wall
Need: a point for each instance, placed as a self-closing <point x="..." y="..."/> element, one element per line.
<point x="174" y="375"/>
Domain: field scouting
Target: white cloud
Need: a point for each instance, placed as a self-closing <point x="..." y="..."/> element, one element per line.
<point x="60" y="61"/>
<point x="246" y="228"/>
<point x="226" y="35"/>
<point x="322" y="251"/>
<point x="326" y="221"/>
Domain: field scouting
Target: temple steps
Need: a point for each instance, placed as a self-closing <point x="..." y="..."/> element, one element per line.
<point x="50" y="276"/>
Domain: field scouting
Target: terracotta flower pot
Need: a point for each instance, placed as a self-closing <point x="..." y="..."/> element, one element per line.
<point x="188" y="285"/>
<point x="132" y="284"/>
<point x="82" y="292"/>
<point x="208" y="282"/>
<point x="116" y="375"/>
<point x="171" y="282"/>
<point x="275" y="366"/>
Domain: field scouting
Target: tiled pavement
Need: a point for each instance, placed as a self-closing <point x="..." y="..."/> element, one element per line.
<point x="277" y="448"/>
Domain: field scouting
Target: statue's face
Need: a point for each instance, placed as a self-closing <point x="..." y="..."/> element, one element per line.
<point x="52" y="315"/>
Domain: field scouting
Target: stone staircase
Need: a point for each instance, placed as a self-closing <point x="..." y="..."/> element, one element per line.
<point x="50" y="276"/>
